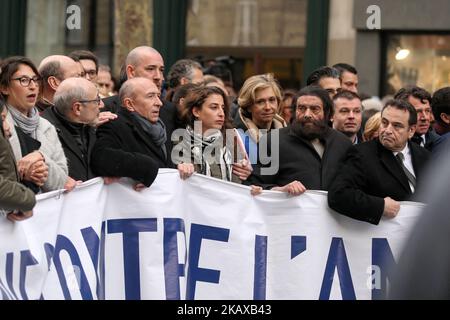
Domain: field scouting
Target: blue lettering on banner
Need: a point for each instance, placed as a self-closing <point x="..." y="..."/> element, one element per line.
<point x="173" y="270"/>
<point x="198" y="233"/>
<point x="298" y="245"/>
<point x="383" y="258"/>
<point x="92" y="242"/>
<point x="130" y="229"/>
<point x="64" y="244"/>
<point x="9" y="273"/>
<point x="4" y="291"/>
<point x="49" y="252"/>
<point x="260" y="280"/>
<point x="337" y="259"/>
<point x="26" y="260"/>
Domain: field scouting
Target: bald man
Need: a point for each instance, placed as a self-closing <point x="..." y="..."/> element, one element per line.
<point x="133" y="146"/>
<point x="76" y="106"/>
<point x="147" y="62"/>
<point x="54" y="70"/>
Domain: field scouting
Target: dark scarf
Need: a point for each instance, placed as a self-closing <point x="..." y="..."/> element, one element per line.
<point x="157" y="131"/>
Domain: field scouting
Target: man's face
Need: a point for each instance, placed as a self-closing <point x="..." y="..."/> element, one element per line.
<point x="146" y="101"/>
<point x="150" y="66"/>
<point x="70" y="69"/>
<point x="347" y="116"/>
<point x="90" y="70"/>
<point x="424" y="114"/>
<point x="395" y="130"/>
<point x="331" y="85"/>
<point x="89" y="111"/>
<point x="104" y="83"/>
<point x="198" y="76"/>
<point x="310" y="117"/>
<point x="349" y="81"/>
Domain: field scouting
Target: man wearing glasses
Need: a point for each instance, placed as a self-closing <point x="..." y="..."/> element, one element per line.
<point x="76" y="105"/>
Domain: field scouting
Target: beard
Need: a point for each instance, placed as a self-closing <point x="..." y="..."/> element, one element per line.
<point x="309" y="129"/>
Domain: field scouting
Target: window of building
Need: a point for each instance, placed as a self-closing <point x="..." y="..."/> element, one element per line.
<point x="422" y="60"/>
<point x="260" y="36"/>
<point x="47" y="32"/>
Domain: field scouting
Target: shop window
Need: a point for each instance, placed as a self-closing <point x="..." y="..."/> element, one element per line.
<point x="422" y="60"/>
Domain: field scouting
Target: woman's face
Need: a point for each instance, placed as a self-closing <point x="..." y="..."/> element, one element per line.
<point x="6" y="128"/>
<point x="211" y="113"/>
<point x="264" y="108"/>
<point x="19" y="95"/>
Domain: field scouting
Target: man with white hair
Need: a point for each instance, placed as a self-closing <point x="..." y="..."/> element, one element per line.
<point x="133" y="146"/>
<point x="76" y="105"/>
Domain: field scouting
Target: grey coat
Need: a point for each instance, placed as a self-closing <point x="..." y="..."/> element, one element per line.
<point x="50" y="148"/>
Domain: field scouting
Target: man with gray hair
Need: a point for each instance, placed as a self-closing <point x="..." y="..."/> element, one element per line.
<point x="54" y="70"/>
<point x="183" y="72"/>
<point x="76" y="105"/>
<point x="133" y="146"/>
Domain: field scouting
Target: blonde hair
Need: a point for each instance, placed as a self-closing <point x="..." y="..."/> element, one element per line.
<point x="372" y="126"/>
<point x="247" y="95"/>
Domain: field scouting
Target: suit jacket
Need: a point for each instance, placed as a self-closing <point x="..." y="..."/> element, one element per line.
<point x="13" y="195"/>
<point x="167" y="113"/>
<point x="77" y="160"/>
<point x="124" y="149"/>
<point x="298" y="160"/>
<point x="431" y="138"/>
<point x="370" y="173"/>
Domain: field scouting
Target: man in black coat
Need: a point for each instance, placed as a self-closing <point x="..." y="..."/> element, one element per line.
<point x="147" y="62"/>
<point x="133" y="146"/>
<point x="307" y="154"/>
<point x="377" y="174"/>
<point x="76" y="107"/>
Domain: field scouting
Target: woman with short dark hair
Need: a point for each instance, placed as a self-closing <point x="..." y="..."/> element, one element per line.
<point x="41" y="161"/>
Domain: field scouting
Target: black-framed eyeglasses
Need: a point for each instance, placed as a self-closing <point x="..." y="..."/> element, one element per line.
<point x="91" y="73"/>
<point x="98" y="101"/>
<point x="25" y="81"/>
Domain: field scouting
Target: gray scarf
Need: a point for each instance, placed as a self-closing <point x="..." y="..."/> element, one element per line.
<point x="28" y="124"/>
<point x="205" y="151"/>
<point x="157" y="131"/>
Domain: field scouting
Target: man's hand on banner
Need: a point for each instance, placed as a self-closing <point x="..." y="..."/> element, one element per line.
<point x="19" y="216"/>
<point x="391" y="208"/>
<point x="294" y="188"/>
<point x="186" y="170"/>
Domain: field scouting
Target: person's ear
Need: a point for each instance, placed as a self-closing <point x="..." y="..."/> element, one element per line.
<point x="76" y="108"/>
<point x="53" y="82"/>
<point x="128" y="104"/>
<point x="412" y="131"/>
<point x="445" y="118"/>
<point x="130" y="71"/>
<point x="196" y="112"/>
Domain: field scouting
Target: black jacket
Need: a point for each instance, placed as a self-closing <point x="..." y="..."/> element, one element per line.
<point x="369" y="174"/>
<point x="124" y="149"/>
<point x="167" y="113"/>
<point x="78" y="159"/>
<point x="430" y="139"/>
<point x="298" y="160"/>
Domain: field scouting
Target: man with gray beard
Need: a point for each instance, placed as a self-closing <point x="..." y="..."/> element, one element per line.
<point x="309" y="151"/>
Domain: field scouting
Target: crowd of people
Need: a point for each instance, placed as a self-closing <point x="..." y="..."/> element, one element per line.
<point x="66" y="121"/>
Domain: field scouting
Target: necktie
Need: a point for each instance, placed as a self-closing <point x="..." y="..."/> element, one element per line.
<point x="400" y="158"/>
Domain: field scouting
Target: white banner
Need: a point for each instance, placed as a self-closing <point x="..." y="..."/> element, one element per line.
<point x="195" y="239"/>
